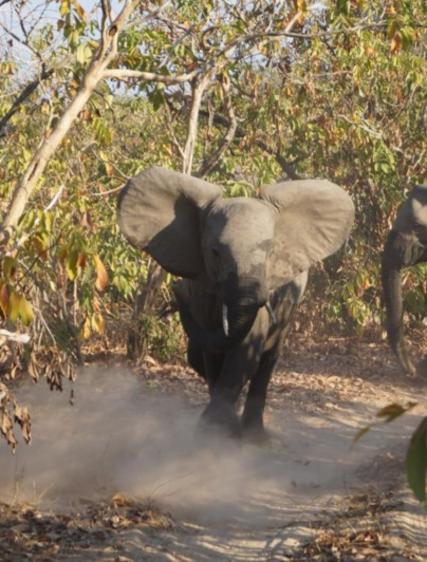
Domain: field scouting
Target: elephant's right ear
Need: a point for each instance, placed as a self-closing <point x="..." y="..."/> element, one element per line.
<point x="158" y="211"/>
<point x="314" y="218"/>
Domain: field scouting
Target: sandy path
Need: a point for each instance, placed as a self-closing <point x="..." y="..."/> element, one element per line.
<point x="307" y="497"/>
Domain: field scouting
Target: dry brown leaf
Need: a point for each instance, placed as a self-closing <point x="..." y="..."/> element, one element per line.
<point x="101" y="274"/>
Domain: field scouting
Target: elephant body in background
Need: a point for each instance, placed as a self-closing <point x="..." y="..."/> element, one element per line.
<point x="244" y="264"/>
<point x="406" y="245"/>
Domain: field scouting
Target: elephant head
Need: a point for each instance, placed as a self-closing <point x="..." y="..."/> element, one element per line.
<point x="405" y="246"/>
<point x="240" y="249"/>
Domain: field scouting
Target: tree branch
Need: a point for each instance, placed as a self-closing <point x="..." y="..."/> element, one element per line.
<point x="198" y="87"/>
<point x="14" y="336"/>
<point x="93" y="74"/>
<point x="126" y="74"/>
<point x="24" y="95"/>
<point x="169" y="121"/>
<point x="318" y="35"/>
<point x="211" y="161"/>
<point x="240" y="133"/>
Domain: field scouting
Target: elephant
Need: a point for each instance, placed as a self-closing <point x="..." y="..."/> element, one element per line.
<point x="243" y="264"/>
<point x="406" y="245"/>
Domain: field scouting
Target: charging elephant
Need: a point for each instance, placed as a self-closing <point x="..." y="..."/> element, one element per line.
<point x="406" y="245"/>
<point x="244" y="264"/>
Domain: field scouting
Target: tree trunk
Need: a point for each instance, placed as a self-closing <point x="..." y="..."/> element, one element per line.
<point x="95" y="72"/>
<point x="137" y="342"/>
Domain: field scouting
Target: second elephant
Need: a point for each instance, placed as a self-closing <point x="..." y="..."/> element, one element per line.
<point x="406" y="245"/>
<point x="244" y="262"/>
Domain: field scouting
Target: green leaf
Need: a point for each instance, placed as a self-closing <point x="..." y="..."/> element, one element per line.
<point x="83" y="53"/>
<point x="416" y="461"/>
<point x="64" y="8"/>
<point x="156" y="98"/>
<point x="71" y="265"/>
<point x="8" y="267"/>
<point x="19" y="307"/>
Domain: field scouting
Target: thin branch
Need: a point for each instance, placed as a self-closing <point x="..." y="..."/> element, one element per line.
<point x="14" y="336"/>
<point x="105" y="19"/>
<point x="106" y="9"/>
<point x="214" y="158"/>
<point x="171" y="131"/>
<point x="125" y="74"/>
<point x="24" y="95"/>
<point x="55" y="199"/>
<point x="116" y="168"/>
<point x="320" y="34"/>
<point x="364" y="127"/>
<point x="104" y="193"/>
<point x="21" y="41"/>
<point x="240" y="133"/>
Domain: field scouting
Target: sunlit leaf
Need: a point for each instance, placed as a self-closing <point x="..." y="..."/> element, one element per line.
<point x="395" y="43"/>
<point x="71" y="265"/>
<point x="98" y="323"/>
<point x="86" y="330"/>
<point x="64" y="7"/>
<point x="101" y="274"/>
<point x="8" y="267"/>
<point x="4" y="299"/>
<point x="20" y="308"/>
<point x="22" y="417"/>
<point x="79" y="9"/>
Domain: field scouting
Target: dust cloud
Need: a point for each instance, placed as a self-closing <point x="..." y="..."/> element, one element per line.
<point x="122" y="435"/>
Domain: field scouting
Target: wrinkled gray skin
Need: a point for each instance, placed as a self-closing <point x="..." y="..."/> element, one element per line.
<point x="227" y="366"/>
<point x="244" y="264"/>
<point x="406" y="245"/>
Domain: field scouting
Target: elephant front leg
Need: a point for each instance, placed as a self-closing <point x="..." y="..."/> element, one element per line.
<point x="285" y="303"/>
<point x="238" y="366"/>
<point x="207" y="365"/>
<point x="253" y="413"/>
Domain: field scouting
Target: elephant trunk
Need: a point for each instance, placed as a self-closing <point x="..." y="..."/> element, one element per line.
<point x="392" y="291"/>
<point x="241" y="300"/>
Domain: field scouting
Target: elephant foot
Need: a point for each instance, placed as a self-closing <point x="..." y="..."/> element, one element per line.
<point x="221" y="419"/>
<point x="253" y="429"/>
<point x="256" y="434"/>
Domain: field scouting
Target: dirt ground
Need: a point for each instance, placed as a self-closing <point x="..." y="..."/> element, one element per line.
<point x="123" y="474"/>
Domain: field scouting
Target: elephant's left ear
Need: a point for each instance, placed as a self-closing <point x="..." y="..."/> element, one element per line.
<point x="314" y="218"/>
